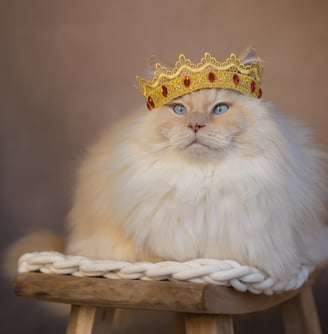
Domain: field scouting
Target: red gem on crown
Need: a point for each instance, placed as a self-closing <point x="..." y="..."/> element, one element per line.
<point x="253" y="86"/>
<point x="235" y="79"/>
<point x="186" y="81"/>
<point x="260" y="93"/>
<point x="164" y="91"/>
<point x="150" y="103"/>
<point x="211" y="77"/>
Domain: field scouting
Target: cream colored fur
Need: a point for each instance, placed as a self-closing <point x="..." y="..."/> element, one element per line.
<point x="36" y="242"/>
<point x="250" y="188"/>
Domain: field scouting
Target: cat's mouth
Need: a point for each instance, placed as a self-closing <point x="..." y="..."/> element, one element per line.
<point x="197" y="143"/>
<point x="204" y="144"/>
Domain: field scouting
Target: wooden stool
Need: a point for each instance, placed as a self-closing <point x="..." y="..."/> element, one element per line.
<point x="206" y="308"/>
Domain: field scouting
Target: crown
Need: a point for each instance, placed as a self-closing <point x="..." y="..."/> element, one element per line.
<point x="186" y="77"/>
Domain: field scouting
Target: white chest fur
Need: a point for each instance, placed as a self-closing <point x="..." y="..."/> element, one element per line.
<point x="231" y="210"/>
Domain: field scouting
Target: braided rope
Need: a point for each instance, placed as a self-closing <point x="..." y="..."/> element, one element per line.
<point x="222" y="272"/>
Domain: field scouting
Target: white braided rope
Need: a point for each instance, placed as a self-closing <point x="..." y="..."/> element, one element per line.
<point x="222" y="272"/>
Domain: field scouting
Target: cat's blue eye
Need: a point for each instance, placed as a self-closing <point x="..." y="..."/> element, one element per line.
<point x="220" y="109"/>
<point x="179" y="109"/>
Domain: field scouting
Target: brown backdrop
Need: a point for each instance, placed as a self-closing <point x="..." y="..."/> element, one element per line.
<point x="67" y="70"/>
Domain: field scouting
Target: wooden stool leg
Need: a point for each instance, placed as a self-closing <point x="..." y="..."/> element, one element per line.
<point x="103" y="321"/>
<point x="208" y="324"/>
<point x="89" y="319"/>
<point x="81" y="319"/>
<point x="180" y="324"/>
<point x="300" y="314"/>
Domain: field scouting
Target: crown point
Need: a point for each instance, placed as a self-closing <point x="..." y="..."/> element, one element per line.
<point x="260" y="93"/>
<point x="211" y="77"/>
<point x="164" y="91"/>
<point x="235" y="79"/>
<point x="186" y="81"/>
<point x="253" y="86"/>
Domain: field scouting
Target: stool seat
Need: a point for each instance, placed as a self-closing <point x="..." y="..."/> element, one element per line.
<point x="206" y="308"/>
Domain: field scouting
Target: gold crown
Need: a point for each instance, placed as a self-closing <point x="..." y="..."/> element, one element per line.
<point x="186" y="77"/>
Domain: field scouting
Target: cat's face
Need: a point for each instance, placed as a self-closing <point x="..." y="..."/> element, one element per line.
<point x="205" y="123"/>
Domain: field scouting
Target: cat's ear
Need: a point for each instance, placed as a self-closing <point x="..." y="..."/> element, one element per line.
<point x="248" y="56"/>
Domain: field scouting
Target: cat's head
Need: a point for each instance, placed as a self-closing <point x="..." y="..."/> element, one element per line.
<point x="207" y="123"/>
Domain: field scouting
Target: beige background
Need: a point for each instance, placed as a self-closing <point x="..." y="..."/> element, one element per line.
<point x="67" y="70"/>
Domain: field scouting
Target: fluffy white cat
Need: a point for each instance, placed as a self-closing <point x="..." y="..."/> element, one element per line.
<point x="213" y="174"/>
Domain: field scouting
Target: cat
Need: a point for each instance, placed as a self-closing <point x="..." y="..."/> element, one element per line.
<point x="212" y="174"/>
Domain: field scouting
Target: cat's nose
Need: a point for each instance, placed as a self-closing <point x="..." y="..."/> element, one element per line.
<point x="196" y="126"/>
<point x="196" y="120"/>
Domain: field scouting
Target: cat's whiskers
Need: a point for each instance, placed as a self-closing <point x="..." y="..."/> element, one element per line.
<point x="182" y="140"/>
<point x="216" y="141"/>
<point x="160" y="147"/>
